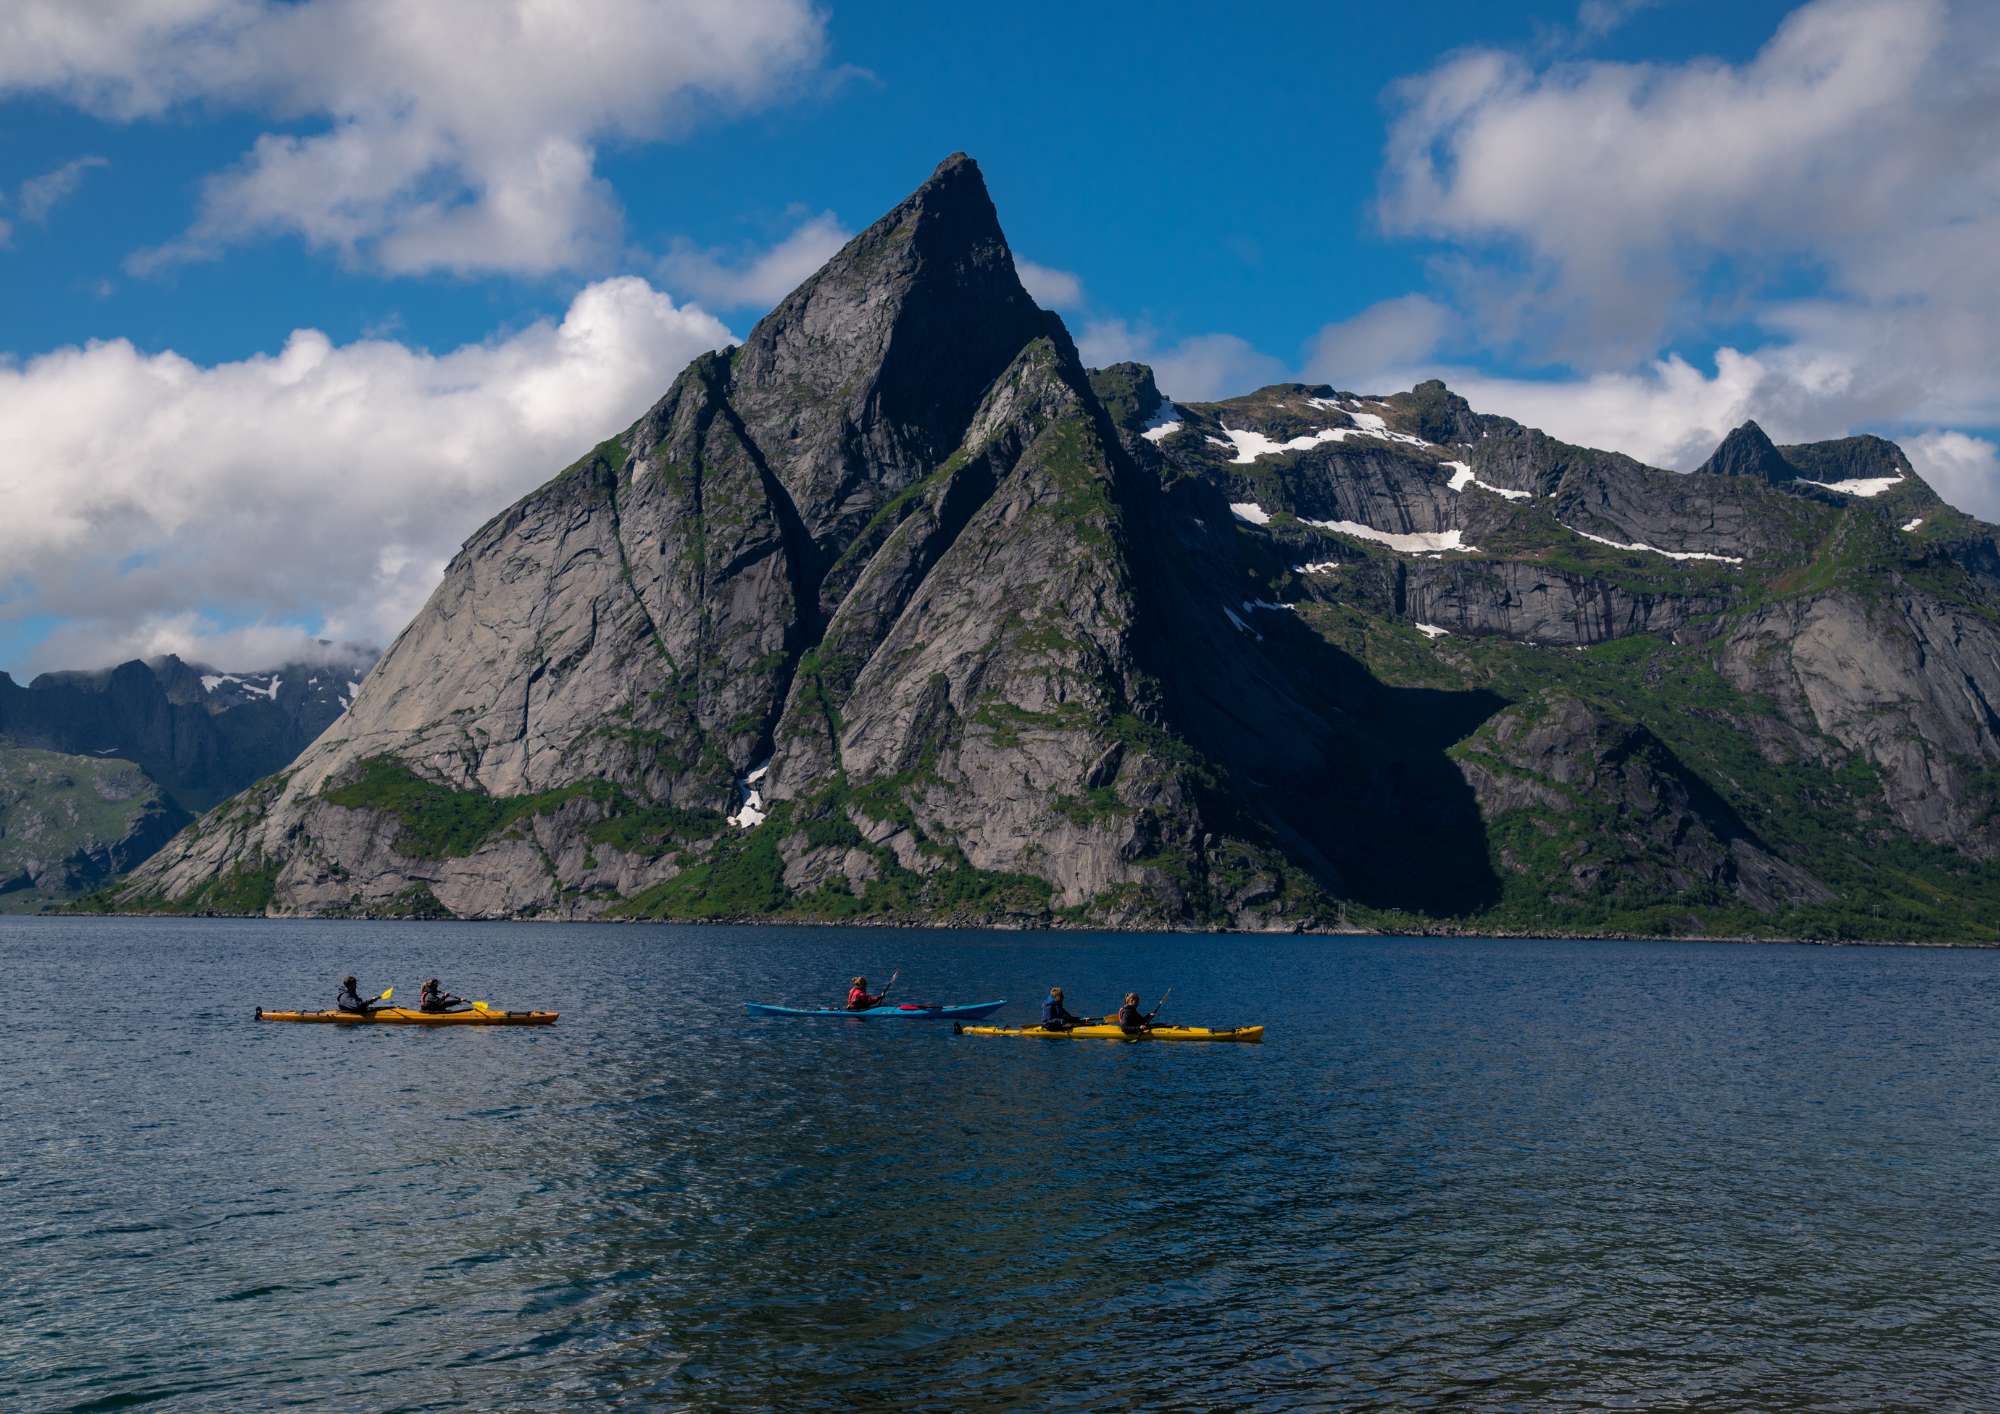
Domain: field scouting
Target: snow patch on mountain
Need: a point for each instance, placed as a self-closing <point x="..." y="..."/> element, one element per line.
<point x="1656" y="550"/>
<point x="1415" y="542"/>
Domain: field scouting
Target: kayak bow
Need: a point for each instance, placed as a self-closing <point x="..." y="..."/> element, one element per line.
<point x="1116" y="1033"/>
<point x="409" y="1016"/>
<point x="908" y="1011"/>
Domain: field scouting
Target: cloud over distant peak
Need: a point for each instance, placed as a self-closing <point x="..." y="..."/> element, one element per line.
<point x="151" y="499"/>
<point x="755" y="279"/>
<point x="455" y="135"/>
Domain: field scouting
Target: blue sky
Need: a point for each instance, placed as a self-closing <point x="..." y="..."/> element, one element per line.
<point x="1633" y="223"/>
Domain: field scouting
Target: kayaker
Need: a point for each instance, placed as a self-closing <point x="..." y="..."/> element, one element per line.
<point x="859" y="998"/>
<point x="433" y="997"/>
<point x="1056" y="1016"/>
<point x="350" y="998"/>
<point x="1130" y="1018"/>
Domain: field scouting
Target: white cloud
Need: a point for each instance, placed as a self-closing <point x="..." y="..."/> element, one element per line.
<point x="1391" y="334"/>
<point x="452" y="135"/>
<point x="41" y="195"/>
<point x="326" y="484"/>
<point x="756" y="279"/>
<point x="1050" y="287"/>
<point x="1964" y="470"/>
<point x="1673" y="414"/>
<point x="196" y="638"/>
<point x="1597" y="18"/>
<point x="1596" y="213"/>
<point x="1193" y="369"/>
<point x="1619" y="199"/>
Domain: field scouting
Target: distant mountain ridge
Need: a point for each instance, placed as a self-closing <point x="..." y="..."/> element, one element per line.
<point x="99" y="768"/>
<point x="897" y="612"/>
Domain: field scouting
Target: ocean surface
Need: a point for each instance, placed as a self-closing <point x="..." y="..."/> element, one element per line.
<point x="1481" y="1174"/>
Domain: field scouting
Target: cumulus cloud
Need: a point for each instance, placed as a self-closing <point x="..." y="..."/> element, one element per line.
<point x="1964" y="470"/>
<point x="198" y="638"/>
<point x="757" y="279"/>
<point x="1050" y="287"/>
<point x="151" y="498"/>
<point x="1625" y="195"/>
<point x="1592" y="214"/>
<point x="456" y="135"/>
<point x="1191" y="369"/>
<point x="1359" y="351"/>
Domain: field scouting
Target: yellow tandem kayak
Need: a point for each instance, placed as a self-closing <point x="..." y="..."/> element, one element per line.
<point x="1116" y="1033"/>
<point x="410" y="1016"/>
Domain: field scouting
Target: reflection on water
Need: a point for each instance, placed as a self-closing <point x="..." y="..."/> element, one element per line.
<point x="1526" y="1174"/>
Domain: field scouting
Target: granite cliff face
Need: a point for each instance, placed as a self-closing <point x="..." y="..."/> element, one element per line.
<point x="896" y="611"/>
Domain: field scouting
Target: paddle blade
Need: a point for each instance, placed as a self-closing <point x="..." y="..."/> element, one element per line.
<point x="388" y="992"/>
<point x="480" y="1006"/>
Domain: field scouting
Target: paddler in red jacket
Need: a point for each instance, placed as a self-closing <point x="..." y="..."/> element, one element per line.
<point x="859" y="998"/>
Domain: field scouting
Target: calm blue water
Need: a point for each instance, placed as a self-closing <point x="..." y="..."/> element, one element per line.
<point x="1514" y="1174"/>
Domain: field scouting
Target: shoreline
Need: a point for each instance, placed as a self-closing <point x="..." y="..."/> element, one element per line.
<point x="1554" y="935"/>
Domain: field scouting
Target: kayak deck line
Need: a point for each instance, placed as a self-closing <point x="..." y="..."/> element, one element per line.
<point x="410" y="1016"/>
<point x="1252" y="1034"/>
<point x="903" y="1011"/>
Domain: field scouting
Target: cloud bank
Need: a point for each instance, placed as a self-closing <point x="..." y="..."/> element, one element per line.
<point x="454" y="135"/>
<point x="151" y="498"/>
<point x="1590" y="214"/>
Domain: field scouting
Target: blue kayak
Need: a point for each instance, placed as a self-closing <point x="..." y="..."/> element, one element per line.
<point x="902" y="1011"/>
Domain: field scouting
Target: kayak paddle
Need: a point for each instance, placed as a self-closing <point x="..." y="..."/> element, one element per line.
<point x="387" y="992"/>
<point x="887" y="985"/>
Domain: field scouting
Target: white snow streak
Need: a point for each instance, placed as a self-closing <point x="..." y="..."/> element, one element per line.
<point x="1241" y="627"/>
<point x="1914" y="524"/>
<point x="1248" y="445"/>
<point x="1250" y="511"/>
<point x="749" y="800"/>
<point x="1317" y="567"/>
<point x="1433" y="631"/>
<point x="1249" y="604"/>
<point x="1655" y="550"/>
<point x="1462" y="477"/>
<point x="1860" y="486"/>
<point x="1415" y="542"/>
<point x="1164" y="422"/>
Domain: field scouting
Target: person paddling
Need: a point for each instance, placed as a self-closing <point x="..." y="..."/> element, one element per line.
<point x="1130" y="1018"/>
<point x="859" y="998"/>
<point x="433" y="997"/>
<point x="350" y="998"/>
<point x="1056" y="1016"/>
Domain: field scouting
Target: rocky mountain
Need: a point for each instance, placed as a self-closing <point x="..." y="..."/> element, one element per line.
<point x="99" y="769"/>
<point x="71" y="823"/>
<point x="898" y="612"/>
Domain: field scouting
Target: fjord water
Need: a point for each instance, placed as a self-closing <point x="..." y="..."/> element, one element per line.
<point x="1509" y="1174"/>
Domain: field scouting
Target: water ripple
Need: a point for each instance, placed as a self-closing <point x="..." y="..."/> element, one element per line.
<point x="1507" y="1176"/>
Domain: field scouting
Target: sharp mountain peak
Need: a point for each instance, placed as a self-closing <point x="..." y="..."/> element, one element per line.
<point x="895" y="612"/>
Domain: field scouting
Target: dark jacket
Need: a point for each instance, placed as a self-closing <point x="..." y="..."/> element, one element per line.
<point x="1054" y="1013"/>
<point x="350" y="1000"/>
